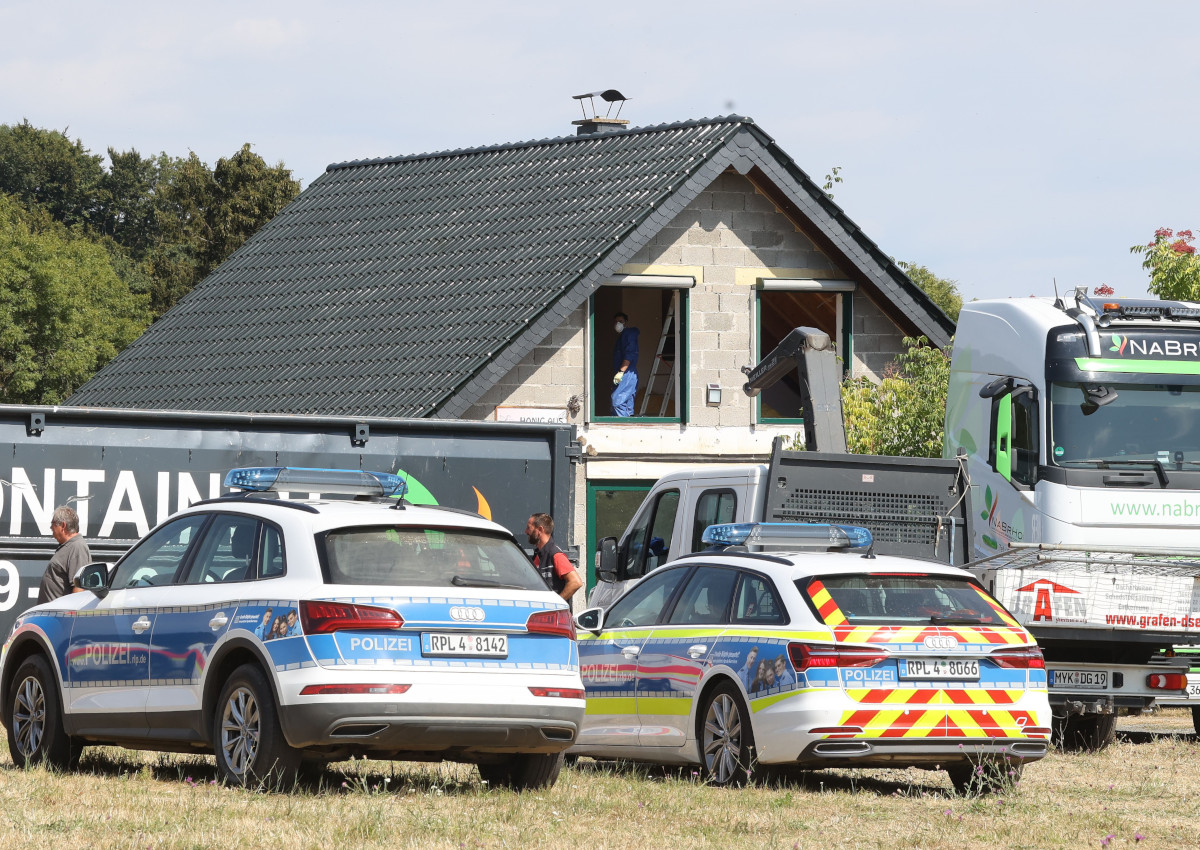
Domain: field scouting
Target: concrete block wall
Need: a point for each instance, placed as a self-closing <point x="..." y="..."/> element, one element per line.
<point x="726" y="229"/>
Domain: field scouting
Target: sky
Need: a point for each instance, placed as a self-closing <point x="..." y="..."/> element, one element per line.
<point x="1007" y="146"/>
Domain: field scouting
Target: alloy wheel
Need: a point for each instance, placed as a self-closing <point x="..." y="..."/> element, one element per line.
<point x="29" y="716"/>
<point x="240" y="730"/>
<point x="723" y="739"/>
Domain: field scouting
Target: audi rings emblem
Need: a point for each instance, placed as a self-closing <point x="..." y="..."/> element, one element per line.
<point x="470" y="615"/>
<point x="942" y="642"/>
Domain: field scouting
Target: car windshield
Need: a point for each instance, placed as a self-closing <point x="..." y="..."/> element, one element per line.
<point x="1144" y="422"/>
<point x="429" y="557"/>
<point x="916" y="599"/>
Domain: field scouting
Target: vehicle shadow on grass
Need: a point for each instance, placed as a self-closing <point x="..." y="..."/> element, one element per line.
<point x="927" y="783"/>
<point x="1147" y="736"/>
<point x="361" y="777"/>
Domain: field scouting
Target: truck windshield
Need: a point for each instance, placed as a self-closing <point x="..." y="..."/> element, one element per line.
<point x="1145" y="422"/>
<point x="917" y="599"/>
<point x="426" y="557"/>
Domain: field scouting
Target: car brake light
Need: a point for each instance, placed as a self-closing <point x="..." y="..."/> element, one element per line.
<point x="557" y="693"/>
<point x="1022" y="659"/>
<point x="556" y="622"/>
<point x="332" y="690"/>
<point x="324" y="617"/>
<point x="1167" y="681"/>
<point x="804" y="656"/>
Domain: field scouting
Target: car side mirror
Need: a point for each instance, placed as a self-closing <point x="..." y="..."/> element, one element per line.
<point x="93" y="577"/>
<point x="606" y="570"/>
<point x="591" y="620"/>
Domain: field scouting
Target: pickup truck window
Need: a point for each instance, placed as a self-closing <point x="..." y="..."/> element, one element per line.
<point x="713" y="507"/>
<point x="649" y="543"/>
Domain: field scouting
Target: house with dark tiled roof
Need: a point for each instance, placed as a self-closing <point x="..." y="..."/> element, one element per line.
<point x="482" y="283"/>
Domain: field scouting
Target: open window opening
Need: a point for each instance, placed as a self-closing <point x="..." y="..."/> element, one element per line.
<point x="785" y="305"/>
<point x="638" y="357"/>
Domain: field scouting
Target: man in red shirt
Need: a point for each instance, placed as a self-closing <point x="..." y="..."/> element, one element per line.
<point x="553" y="565"/>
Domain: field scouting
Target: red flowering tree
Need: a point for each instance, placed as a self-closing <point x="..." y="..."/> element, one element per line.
<point x="1173" y="265"/>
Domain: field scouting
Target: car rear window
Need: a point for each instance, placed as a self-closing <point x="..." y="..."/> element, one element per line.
<point x="426" y="557"/>
<point x="917" y="599"/>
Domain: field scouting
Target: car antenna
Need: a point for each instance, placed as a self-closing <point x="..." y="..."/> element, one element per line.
<point x="1057" y="301"/>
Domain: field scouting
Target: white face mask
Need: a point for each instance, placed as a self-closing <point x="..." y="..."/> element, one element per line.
<point x="619" y="326"/>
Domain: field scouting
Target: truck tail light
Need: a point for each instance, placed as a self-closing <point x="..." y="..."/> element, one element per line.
<point x="338" y="690"/>
<point x="325" y="617"/>
<point x="804" y="657"/>
<point x="1020" y="659"/>
<point x="1167" y="681"/>
<point x="557" y="622"/>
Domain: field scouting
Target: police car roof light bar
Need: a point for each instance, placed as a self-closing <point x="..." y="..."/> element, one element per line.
<point x="354" y="482"/>
<point x="795" y="535"/>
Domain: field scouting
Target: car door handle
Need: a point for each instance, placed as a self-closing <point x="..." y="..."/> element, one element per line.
<point x="218" y="621"/>
<point x="141" y="624"/>
<point x="696" y="650"/>
<point x="631" y="651"/>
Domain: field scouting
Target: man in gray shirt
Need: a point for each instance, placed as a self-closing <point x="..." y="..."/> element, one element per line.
<point x="69" y="558"/>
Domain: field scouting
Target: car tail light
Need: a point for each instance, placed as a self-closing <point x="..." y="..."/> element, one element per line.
<point x="557" y="622"/>
<point x="805" y="657"/>
<point x="1037" y="730"/>
<point x="1167" y="681"/>
<point x="1021" y="659"/>
<point x="557" y="693"/>
<point x="324" y="617"/>
<point x="335" y="690"/>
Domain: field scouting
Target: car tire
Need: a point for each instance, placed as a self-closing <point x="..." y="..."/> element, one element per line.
<point x="1085" y="732"/>
<point x="985" y="776"/>
<point x="523" y="772"/>
<point x="247" y="738"/>
<point x="726" y="737"/>
<point x="35" y="721"/>
<point x="1196" y="718"/>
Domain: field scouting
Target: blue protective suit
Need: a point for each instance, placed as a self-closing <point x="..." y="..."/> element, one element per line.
<point x="626" y="348"/>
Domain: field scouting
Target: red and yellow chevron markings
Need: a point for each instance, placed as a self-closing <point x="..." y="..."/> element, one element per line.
<point x="942" y="723"/>
<point x="936" y="696"/>
<point x="1013" y="635"/>
<point x="830" y="613"/>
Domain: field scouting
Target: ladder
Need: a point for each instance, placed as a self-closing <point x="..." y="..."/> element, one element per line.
<point x="664" y="365"/>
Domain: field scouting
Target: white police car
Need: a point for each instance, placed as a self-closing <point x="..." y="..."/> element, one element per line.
<point x="267" y="631"/>
<point x="794" y="655"/>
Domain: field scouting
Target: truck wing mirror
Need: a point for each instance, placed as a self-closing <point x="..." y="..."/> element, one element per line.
<point x="93" y="577"/>
<point x="1095" y="397"/>
<point x="606" y="570"/>
<point x="591" y="620"/>
<point x="996" y="387"/>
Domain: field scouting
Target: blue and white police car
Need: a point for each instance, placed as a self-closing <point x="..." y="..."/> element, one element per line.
<point x="791" y="646"/>
<point x="269" y="631"/>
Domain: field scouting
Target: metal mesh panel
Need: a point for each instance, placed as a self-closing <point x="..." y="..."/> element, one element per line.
<point x="891" y="517"/>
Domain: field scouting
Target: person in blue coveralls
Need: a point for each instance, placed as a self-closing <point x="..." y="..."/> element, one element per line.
<point x="625" y="358"/>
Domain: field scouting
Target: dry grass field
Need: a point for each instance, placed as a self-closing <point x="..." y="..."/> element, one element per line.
<point x="1142" y="792"/>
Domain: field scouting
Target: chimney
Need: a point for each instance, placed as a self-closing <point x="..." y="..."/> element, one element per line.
<point x="596" y="123"/>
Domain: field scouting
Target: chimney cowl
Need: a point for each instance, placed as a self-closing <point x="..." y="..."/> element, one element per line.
<point x="596" y="123"/>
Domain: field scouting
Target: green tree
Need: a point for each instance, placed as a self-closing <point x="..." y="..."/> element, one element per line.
<point x="44" y="168"/>
<point x="942" y="292"/>
<point x="1173" y="265"/>
<point x="204" y="216"/>
<point x="64" y="310"/>
<point x="905" y="413"/>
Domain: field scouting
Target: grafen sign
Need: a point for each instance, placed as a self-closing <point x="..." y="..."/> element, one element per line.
<point x="126" y="471"/>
